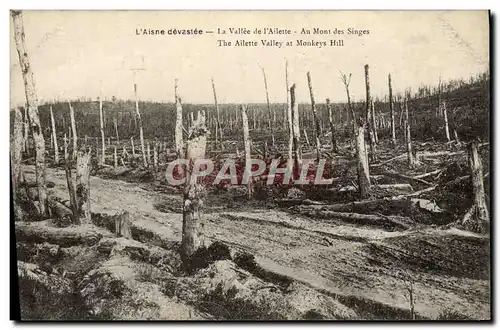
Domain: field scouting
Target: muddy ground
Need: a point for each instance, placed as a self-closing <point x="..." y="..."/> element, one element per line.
<point x="309" y="267"/>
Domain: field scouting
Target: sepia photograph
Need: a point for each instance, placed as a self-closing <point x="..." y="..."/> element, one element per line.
<point x="210" y="165"/>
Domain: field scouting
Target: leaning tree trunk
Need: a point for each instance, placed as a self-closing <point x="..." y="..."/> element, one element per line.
<point x="103" y="142"/>
<point x="178" y="123"/>
<point x="316" y="119"/>
<point x="296" y="130"/>
<point x="32" y="103"/>
<point x="83" y="184"/>
<point x="332" y="126"/>
<point x="54" y="137"/>
<point x="26" y="130"/>
<point x="141" y="132"/>
<point x="362" y="164"/>
<point x="193" y="222"/>
<point x="477" y="218"/>
<point x="289" y="114"/>
<point x="218" y="127"/>
<point x="446" y="126"/>
<point x="391" y="107"/>
<point x="15" y="153"/>
<point x="247" y="142"/>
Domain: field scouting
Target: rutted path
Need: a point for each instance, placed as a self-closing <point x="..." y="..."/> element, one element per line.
<point x="331" y="256"/>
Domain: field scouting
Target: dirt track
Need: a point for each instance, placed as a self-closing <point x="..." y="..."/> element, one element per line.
<point x="330" y="255"/>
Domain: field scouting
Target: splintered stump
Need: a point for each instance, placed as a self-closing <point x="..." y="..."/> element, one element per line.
<point x="477" y="218"/>
<point x="362" y="164"/>
<point x="69" y="182"/>
<point x="193" y="222"/>
<point x="83" y="184"/>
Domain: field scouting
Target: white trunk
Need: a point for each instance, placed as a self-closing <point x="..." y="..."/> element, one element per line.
<point x="83" y="185"/>
<point x="141" y="132"/>
<point x="15" y="153"/>
<point x="409" y="151"/>
<point x="477" y="218"/>
<point x="247" y="142"/>
<point x="446" y="127"/>
<point x="54" y="137"/>
<point x="289" y="114"/>
<point x="316" y="118"/>
<point x="178" y="124"/>
<point x="32" y="103"/>
<point x="101" y="121"/>
<point x="73" y="130"/>
<point x="193" y="222"/>
<point x="362" y="164"/>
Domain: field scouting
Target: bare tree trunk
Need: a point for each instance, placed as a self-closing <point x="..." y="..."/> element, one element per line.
<point x="70" y="183"/>
<point x="178" y="124"/>
<point x="149" y="154"/>
<point x="54" y="137"/>
<point x="101" y="122"/>
<point x="133" y="147"/>
<point x="391" y="107"/>
<point x="457" y="140"/>
<point x="218" y="127"/>
<point x="368" y="122"/>
<point x="32" y="102"/>
<point x="155" y="157"/>
<point x="296" y="128"/>
<point x="332" y="126"/>
<point x="115" y="158"/>
<point x="306" y="137"/>
<point x="73" y="130"/>
<point x="26" y="130"/>
<point x="409" y="151"/>
<point x="374" y="122"/>
<point x="16" y="150"/>
<point x="271" y="127"/>
<point x="115" y="122"/>
<point x="141" y="132"/>
<point x="248" y="157"/>
<point x="193" y="222"/>
<point x="446" y="127"/>
<point x="315" y="115"/>
<point x="363" y="166"/>
<point x="289" y="114"/>
<point x="83" y="185"/>
<point x="477" y="218"/>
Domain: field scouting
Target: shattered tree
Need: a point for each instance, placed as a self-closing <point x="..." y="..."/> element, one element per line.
<point x="32" y="103"/>
<point x="193" y="222"/>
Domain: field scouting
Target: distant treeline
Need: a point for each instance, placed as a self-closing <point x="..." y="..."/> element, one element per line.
<point x="467" y="105"/>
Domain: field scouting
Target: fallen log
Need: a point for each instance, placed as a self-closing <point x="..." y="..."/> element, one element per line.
<point x="292" y="202"/>
<point x="405" y="187"/>
<point x="424" y="175"/>
<point x="39" y="232"/>
<point x="388" y="160"/>
<point x="430" y="154"/>
<point x="405" y="177"/>
<point x="55" y="284"/>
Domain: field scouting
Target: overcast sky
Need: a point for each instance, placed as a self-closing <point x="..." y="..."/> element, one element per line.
<point x="75" y="54"/>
